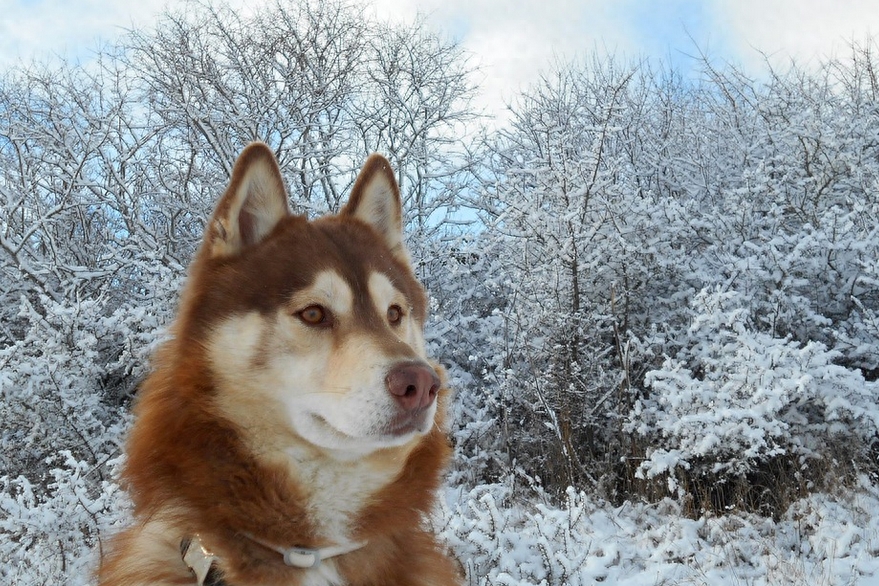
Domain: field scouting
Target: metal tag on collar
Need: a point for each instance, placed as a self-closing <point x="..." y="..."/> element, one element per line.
<point x="306" y="557"/>
<point x="302" y="557"/>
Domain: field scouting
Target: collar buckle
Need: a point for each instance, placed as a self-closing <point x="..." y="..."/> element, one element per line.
<point x="200" y="560"/>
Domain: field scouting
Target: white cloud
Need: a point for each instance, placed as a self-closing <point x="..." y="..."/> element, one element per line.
<point x="512" y="42"/>
<point x="808" y="30"/>
<point x="40" y="28"/>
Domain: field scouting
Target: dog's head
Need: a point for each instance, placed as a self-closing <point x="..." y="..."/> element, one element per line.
<point x="319" y="322"/>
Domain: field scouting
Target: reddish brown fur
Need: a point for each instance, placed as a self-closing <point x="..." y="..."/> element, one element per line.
<point x="189" y="466"/>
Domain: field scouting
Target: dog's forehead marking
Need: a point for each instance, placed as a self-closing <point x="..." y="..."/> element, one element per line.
<point x="331" y="288"/>
<point x="383" y="292"/>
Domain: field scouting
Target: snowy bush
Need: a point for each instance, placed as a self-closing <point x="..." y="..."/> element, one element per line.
<point x="736" y="398"/>
<point x="59" y="447"/>
<point x="466" y="332"/>
<point x="52" y="532"/>
<point x="498" y="540"/>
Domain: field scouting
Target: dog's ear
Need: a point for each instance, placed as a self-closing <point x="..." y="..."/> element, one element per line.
<point x="253" y="204"/>
<point x="375" y="199"/>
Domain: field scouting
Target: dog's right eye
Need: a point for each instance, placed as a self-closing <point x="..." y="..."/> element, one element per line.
<point x="315" y="315"/>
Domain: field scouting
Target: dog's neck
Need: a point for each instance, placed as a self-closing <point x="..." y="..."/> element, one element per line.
<point x="338" y="489"/>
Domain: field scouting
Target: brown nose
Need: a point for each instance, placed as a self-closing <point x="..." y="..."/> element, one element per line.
<point x="413" y="385"/>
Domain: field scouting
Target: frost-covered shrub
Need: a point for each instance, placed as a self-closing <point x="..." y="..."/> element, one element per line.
<point x="61" y="428"/>
<point x="52" y="532"/>
<point x="856" y="334"/>
<point x="500" y="543"/>
<point x="499" y="540"/>
<point x="736" y="398"/>
<point x="51" y="380"/>
<point x="466" y="332"/>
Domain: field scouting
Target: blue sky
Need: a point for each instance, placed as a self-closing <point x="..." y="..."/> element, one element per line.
<point x="513" y="40"/>
<point x="668" y="29"/>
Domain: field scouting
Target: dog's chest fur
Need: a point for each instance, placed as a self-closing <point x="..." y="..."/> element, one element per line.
<point x="336" y="490"/>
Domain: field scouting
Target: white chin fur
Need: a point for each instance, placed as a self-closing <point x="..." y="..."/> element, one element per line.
<point x="317" y="430"/>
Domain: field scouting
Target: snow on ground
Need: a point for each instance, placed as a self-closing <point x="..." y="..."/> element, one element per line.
<point x="503" y="539"/>
<point x="823" y="539"/>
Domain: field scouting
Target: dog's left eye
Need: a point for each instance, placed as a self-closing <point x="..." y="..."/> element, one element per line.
<point x="395" y="314"/>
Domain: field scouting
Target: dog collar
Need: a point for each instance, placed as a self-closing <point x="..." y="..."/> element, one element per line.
<point x="306" y="557"/>
<point x="203" y="562"/>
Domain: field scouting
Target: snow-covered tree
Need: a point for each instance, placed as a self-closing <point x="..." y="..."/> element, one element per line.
<point x="672" y="288"/>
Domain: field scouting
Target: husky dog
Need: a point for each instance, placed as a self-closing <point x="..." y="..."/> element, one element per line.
<point x="292" y="430"/>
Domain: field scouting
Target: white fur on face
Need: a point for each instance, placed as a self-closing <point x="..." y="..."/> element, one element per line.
<point x="384" y="295"/>
<point x="330" y="290"/>
<point x="328" y="381"/>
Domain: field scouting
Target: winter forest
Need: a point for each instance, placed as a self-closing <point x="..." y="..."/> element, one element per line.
<point x="657" y="294"/>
